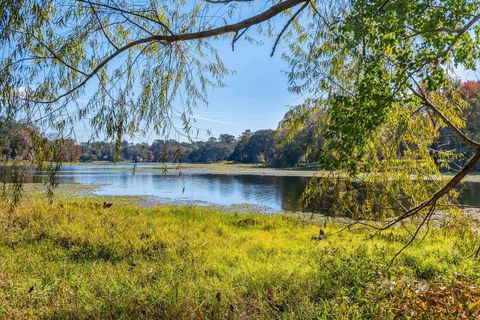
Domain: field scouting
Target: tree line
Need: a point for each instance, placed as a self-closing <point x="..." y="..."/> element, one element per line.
<point x="270" y="147"/>
<point x="262" y="146"/>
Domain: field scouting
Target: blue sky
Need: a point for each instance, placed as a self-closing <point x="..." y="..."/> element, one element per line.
<point x="256" y="97"/>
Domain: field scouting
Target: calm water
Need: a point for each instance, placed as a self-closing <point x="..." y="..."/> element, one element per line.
<point x="268" y="193"/>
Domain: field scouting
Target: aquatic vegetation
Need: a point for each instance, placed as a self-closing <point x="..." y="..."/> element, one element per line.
<point x="76" y="258"/>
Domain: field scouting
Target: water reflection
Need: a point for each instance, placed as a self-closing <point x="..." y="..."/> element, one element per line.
<point x="470" y="194"/>
<point x="275" y="193"/>
<point x="272" y="192"/>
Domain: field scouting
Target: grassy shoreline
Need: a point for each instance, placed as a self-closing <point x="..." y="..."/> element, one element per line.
<point x="75" y="259"/>
<point x="226" y="168"/>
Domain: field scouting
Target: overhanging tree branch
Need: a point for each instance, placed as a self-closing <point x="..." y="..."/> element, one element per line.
<point x="100" y="23"/>
<point x="173" y="38"/>
<point x="286" y="26"/>
<point x="440" y="193"/>
<point x="426" y="102"/>
<point x="128" y="12"/>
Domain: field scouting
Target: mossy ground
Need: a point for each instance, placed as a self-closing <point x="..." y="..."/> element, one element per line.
<point x="75" y="259"/>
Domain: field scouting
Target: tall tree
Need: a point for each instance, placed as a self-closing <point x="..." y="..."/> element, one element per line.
<point x="257" y="147"/>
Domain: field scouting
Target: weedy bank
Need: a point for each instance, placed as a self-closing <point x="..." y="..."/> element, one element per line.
<point x="77" y="259"/>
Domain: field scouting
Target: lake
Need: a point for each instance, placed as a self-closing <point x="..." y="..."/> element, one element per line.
<point x="261" y="192"/>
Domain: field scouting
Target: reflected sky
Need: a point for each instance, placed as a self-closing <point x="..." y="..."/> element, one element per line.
<point x="262" y="191"/>
<point x="271" y="193"/>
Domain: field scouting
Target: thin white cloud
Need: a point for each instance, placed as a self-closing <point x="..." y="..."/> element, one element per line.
<point x="215" y="121"/>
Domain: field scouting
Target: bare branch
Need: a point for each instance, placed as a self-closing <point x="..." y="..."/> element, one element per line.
<point x="286" y="26"/>
<point x="425" y="101"/>
<point x="127" y="12"/>
<point x="237" y="36"/>
<point x="441" y="192"/>
<point x="101" y="27"/>
<point x="414" y="236"/>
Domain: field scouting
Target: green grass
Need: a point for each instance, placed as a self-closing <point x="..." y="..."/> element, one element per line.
<point x="75" y="259"/>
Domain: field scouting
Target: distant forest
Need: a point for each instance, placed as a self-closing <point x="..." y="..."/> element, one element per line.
<point x="250" y="147"/>
<point x="271" y="147"/>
